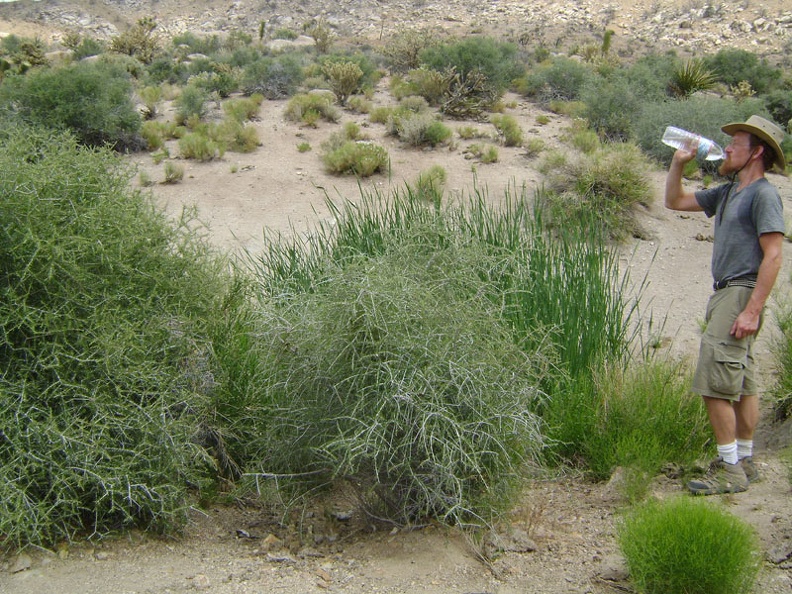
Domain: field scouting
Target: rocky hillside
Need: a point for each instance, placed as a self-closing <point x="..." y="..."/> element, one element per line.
<point x="687" y="26"/>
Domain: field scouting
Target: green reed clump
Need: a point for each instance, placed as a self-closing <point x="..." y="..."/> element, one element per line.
<point x="687" y="545"/>
<point x="106" y="369"/>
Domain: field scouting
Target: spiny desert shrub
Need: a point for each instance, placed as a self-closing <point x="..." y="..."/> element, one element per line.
<point x="688" y="545"/>
<point x="139" y="41"/>
<point x="92" y="100"/>
<point x="402" y="50"/>
<point x="103" y="355"/>
<point x="344" y="78"/>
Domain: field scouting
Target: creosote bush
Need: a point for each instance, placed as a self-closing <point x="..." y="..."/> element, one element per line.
<point x="688" y="545"/>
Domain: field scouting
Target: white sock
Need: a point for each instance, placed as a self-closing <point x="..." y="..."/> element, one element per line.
<point x="744" y="448"/>
<point x="728" y="452"/>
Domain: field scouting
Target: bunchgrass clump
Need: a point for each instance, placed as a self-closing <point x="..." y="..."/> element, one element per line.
<point x="350" y="157"/>
<point x="688" y="545"/>
<point x="198" y="146"/>
<point x="638" y="418"/>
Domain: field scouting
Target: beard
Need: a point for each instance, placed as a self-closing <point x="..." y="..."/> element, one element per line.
<point x="726" y="167"/>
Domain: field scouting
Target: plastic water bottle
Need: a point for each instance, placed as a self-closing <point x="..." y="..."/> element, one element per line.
<point x="678" y="138"/>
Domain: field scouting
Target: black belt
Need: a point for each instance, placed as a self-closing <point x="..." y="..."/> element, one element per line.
<point x="740" y="281"/>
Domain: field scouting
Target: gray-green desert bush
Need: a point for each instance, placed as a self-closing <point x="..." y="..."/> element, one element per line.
<point x="309" y="108"/>
<point x="192" y="102"/>
<point x="556" y="79"/>
<point x="509" y="131"/>
<point x="378" y="276"/>
<point x="496" y="61"/>
<point x="274" y="77"/>
<point x="106" y="372"/>
<point x="688" y="545"/>
<point x="610" y="183"/>
<point x="611" y="106"/>
<point x="398" y="371"/>
<point x="360" y="158"/>
<point x="731" y="66"/>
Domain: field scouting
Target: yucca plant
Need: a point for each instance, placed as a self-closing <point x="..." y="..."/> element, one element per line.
<point x="691" y="77"/>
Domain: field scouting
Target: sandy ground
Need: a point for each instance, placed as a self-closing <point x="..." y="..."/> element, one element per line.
<point x="568" y="524"/>
<point x="563" y="533"/>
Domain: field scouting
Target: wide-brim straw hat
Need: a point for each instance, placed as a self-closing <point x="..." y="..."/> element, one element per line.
<point x="772" y="134"/>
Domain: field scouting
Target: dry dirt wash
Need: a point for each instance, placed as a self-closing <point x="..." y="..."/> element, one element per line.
<point x="562" y="536"/>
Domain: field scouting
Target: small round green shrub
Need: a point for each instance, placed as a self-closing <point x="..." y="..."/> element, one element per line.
<point x="356" y="158"/>
<point x="509" y="130"/>
<point x="691" y="546"/>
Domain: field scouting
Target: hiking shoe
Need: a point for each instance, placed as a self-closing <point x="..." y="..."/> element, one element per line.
<point x="720" y="478"/>
<point x="750" y="469"/>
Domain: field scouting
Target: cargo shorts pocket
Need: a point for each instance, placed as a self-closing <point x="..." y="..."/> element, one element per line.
<point x="728" y="368"/>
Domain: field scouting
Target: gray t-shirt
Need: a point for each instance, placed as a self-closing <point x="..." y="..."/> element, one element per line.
<point x="747" y="214"/>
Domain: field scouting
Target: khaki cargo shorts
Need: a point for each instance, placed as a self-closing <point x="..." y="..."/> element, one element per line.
<point x="725" y="366"/>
